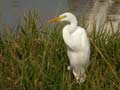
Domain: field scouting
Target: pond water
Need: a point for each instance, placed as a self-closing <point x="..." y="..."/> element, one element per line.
<point x="11" y="11"/>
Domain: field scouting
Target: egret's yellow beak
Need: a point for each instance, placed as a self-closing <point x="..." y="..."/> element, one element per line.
<point x="56" y="19"/>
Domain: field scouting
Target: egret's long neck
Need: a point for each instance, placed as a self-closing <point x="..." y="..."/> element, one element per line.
<point x="72" y="26"/>
<point x="68" y="30"/>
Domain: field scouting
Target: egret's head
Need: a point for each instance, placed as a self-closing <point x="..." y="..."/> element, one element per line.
<point x="64" y="17"/>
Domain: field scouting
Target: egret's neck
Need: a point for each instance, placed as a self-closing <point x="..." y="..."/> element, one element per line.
<point x="72" y="25"/>
<point x="67" y="31"/>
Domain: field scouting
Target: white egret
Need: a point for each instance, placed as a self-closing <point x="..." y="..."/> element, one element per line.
<point x="78" y="47"/>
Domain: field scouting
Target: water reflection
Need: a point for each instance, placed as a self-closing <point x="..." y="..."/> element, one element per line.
<point x="80" y="7"/>
<point x="12" y="10"/>
<point x="15" y="3"/>
<point x="114" y="9"/>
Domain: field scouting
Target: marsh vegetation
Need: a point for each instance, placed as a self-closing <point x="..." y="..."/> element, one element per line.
<point x="34" y="58"/>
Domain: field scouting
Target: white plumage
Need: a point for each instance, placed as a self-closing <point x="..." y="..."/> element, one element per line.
<point x="78" y="47"/>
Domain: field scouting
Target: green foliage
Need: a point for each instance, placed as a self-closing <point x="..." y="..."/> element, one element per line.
<point x="34" y="58"/>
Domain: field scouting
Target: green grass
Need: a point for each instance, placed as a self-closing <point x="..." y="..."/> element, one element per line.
<point x="34" y="58"/>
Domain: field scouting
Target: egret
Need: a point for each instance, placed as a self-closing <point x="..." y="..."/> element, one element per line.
<point x="78" y="46"/>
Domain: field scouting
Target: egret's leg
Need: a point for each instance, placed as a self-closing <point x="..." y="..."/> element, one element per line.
<point x="74" y="73"/>
<point x="76" y="76"/>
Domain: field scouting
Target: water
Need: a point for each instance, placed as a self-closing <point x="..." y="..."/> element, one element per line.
<point x="11" y="11"/>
